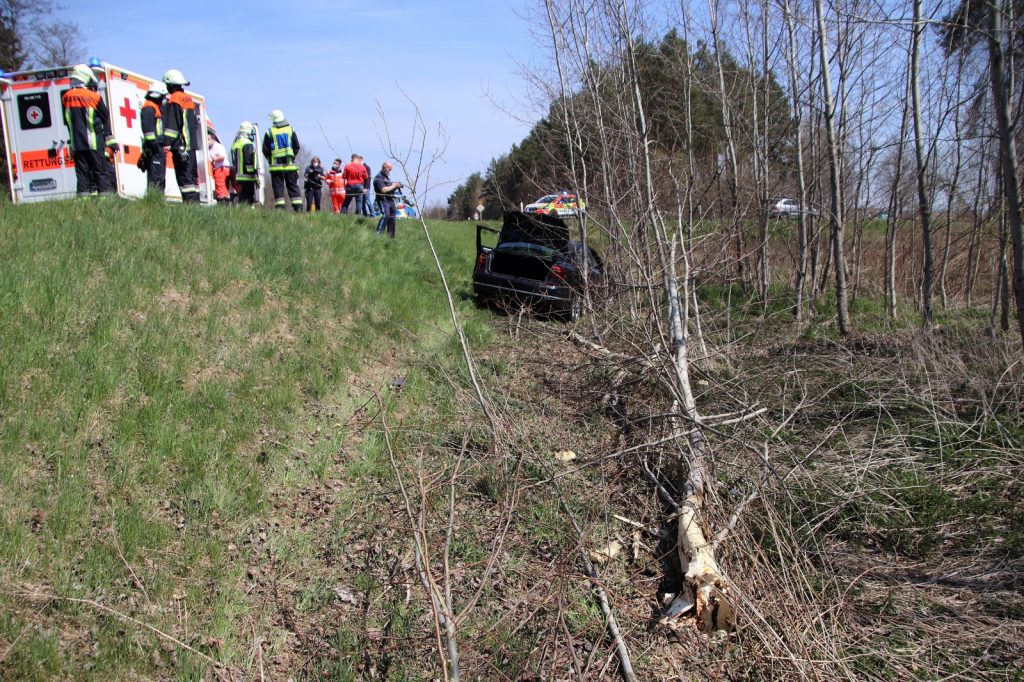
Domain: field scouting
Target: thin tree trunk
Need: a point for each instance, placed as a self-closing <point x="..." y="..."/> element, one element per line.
<point x="923" y="203"/>
<point x="976" y="220"/>
<point x="892" y="222"/>
<point x="836" y="217"/>
<point x="1008" y="153"/>
<point x="801" y="268"/>
<point x="730" y="145"/>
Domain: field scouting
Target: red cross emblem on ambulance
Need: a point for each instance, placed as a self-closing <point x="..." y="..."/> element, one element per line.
<point x="34" y="115"/>
<point x="127" y="111"/>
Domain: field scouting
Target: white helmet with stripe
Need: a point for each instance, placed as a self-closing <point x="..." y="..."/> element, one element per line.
<point x="83" y="74"/>
<point x="277" y="116"/>
<point x="157" y="88"/>
<point x="175" y="77"/>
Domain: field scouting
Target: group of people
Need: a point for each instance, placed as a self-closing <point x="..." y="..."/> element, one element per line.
<point x="170" y="124"/>
<point x="348" y="185"/>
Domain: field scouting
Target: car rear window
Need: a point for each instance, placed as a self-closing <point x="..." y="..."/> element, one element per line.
<point x="539" y="249"/>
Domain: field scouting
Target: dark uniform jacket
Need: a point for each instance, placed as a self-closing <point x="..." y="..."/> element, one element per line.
<point x="151" y="120"/>
<point x="181" y="124"/>
<point x="281" y="146"/>
<point x="87" y="119"/>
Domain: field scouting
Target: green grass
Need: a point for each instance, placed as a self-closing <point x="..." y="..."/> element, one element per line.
<point x="162" y="370"/>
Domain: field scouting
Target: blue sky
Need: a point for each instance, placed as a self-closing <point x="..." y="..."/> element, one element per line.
<point x="334" y="62"/>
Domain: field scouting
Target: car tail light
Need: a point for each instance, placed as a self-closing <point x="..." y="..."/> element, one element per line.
<point x="558" y="272"/>
<point x="480" y="261"/>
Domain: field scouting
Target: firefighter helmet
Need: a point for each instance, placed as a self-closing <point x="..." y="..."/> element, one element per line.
<point x="157" y="88"/>
<point x="175" y="77"/>
<point x="244" y="129"/>
<point x="83" y="74"/>
<point x="277" y="116"/>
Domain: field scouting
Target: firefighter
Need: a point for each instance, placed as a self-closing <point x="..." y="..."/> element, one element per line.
<point x="245" y="163"/>
<point x="151" y="119"/>
<point x="88" y="122"/>
<point x="281" y="146"/>
<point x="181" y="135"/>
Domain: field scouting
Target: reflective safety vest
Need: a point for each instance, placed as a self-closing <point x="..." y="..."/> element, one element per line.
<point x="243" y="160"/>
<point x="282" y="148"/>
<point x="152" y="121"/>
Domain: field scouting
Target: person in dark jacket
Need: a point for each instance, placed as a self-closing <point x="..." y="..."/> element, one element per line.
<point x="386" y="190"/>
<point x="151" y="120"/>
<point x="88" y="122"/>
<point x="366" y="206"/>
<point x="314" y="184"/>
<point x="245" y="163"/>
<point x="281" y="146"/>
<point x="181" y="135"/>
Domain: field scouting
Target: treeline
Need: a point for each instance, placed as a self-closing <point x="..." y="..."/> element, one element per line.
<point x="679" y="81"/>
<point x="902" y="118"/>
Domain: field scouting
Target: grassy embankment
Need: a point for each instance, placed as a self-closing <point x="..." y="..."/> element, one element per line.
<point x="170" y="379"/>
<point x="190" y="436"/>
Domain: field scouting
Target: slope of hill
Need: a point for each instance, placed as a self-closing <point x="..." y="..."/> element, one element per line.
<point x="180" y="393"/>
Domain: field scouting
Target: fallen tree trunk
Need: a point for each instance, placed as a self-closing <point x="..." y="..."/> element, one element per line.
<point x="709" y="592"/>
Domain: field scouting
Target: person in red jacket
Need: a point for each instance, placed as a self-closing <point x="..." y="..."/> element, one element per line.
<point x="356" y="181"/>
<point x="88" y="122"/>
<point x="336" y="186"/>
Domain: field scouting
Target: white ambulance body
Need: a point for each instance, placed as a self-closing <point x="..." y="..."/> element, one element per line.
<point x="39" y="161"/>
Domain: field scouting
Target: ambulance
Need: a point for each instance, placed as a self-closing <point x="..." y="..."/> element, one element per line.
<point x="39" y="163"/>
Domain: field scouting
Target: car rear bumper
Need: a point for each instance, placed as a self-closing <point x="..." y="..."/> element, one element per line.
<point x="555" y="296"/>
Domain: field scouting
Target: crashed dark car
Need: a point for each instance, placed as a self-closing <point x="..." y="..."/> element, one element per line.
<point x="536" y="263"/>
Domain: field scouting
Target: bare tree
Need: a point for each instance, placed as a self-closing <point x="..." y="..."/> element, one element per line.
<point x="60" y="43"/>
<point x="1007" y="125"/>
<point x="835" y="174"/>
<point x="923" y="200"/>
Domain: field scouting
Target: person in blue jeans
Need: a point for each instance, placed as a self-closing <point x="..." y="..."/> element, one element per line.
<point x="356" y="181"/>
<point x="367" y="206"/>
<point x="386" y="191"/>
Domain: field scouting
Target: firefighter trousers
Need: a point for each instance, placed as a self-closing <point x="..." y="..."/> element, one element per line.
<point x="156" y="169"/>
<point x="93" y="172"/>
<point x="186" y="173"/>
<point x="290" y="179"/>
<point x="246" y="192"/>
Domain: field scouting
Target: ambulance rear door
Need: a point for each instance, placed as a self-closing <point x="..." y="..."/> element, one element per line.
<point x="257" y="147"/>
<point x="125" y="91"/>
<point x="39" y="158"/>
<point x="204" y="169"/>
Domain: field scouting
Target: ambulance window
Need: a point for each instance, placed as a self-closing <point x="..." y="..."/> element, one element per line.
<point x="34" y="110"/>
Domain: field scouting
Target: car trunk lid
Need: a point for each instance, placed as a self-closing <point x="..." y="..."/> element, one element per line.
<point x="546" y="230"/>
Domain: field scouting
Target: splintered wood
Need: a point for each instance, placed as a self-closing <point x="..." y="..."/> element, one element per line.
<point x="712" y="600"/>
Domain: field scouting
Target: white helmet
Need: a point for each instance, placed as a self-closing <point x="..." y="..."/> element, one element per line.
<point x="245" y="128"/>
<point x="83" y="74"/>
<point x="277" y="116"/>
<point x="157" y="88"/>
<point x="175" y="77"/>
